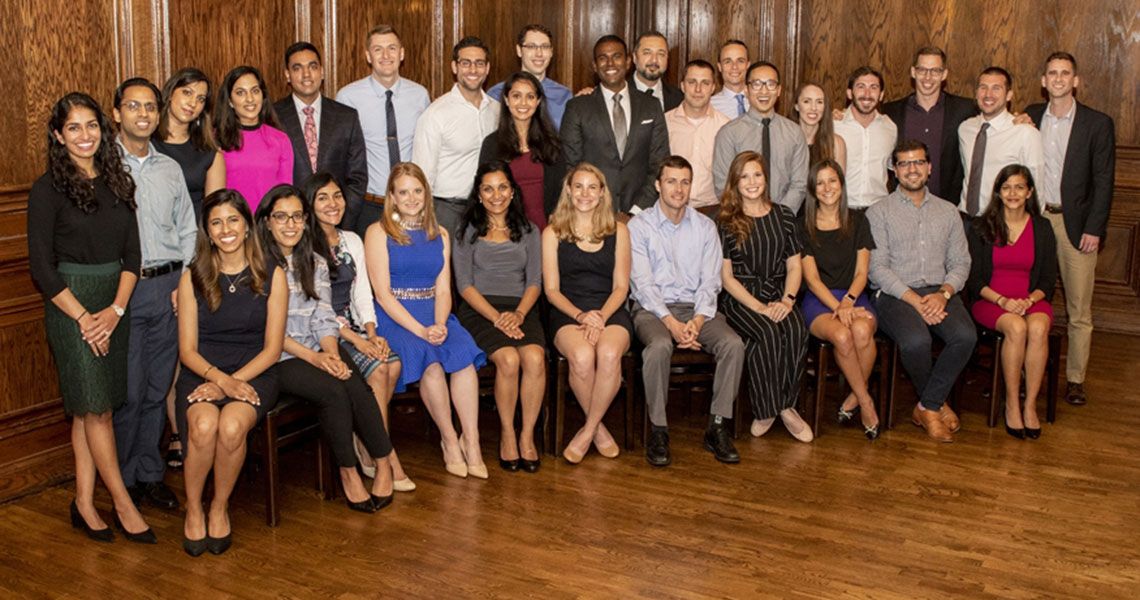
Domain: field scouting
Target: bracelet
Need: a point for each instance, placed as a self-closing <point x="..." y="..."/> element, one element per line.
<point x="790" y="296"/>
<point x="81" y="315"/>
<point x="207" y="373"/>
<point x="999" y="300"/>
<point x="578" y="317"/>
<point x="850" y="297"/>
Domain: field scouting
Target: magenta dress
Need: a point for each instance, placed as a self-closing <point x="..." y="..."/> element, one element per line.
<point x="1011" y="279"/>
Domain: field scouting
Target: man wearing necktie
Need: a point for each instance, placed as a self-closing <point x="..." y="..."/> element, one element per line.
<point x="326" y="134"/>
<point x="650" y="61"/>
<point x="732" y="99"/>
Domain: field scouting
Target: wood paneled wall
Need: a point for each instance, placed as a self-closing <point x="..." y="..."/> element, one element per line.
<point x="64" y="46"/>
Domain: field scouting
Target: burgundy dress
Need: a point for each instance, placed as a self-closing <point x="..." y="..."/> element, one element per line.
<point x="528" y="174"/>
<point x="1010" y="278"/>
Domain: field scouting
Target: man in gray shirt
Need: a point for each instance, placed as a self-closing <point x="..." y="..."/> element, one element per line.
<point x="167" y="233"/>
<point x="919" y="264"/>
<point x="779" y="140"/>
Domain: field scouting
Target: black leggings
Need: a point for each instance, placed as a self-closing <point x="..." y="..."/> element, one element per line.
<point x="345" y="406"/>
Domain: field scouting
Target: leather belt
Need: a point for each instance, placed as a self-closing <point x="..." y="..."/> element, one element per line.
<point x="151" y="272"/>
<point x="1053" y="209"/>
<point x="374" y="199"/>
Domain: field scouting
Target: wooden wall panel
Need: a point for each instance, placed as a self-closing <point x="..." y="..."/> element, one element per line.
<point x="498" y="26"/>
<point x="591" y="20"/>
<point x="352" y="19"/>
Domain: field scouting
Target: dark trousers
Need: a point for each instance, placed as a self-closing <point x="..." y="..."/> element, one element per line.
<point x="344" y="407"/>
<point x="932" y="378"/>
<point x="449" y="213"/>
<point x="151" y="357"/>
<point x="370" y="212"/>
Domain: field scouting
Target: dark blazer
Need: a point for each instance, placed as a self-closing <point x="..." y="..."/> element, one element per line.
<point x="340" y="151"/>
<point x="1089" y="172"/>
<point x="949" y="164"/>
<point x="587" y="136"/>
<point x="1043" y="274"/>
<point x="673" y="96"/>
<point x="551" y="174"/>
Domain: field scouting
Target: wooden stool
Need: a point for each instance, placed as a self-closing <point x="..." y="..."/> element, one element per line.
<point x="290" y="422"/>
<point x="994" y="339"/>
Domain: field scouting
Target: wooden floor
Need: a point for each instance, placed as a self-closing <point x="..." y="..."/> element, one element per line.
<point x="986" y="517"/>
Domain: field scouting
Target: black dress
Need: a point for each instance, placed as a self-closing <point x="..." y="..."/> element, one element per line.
<point x="195" y="163"/>
<point x="228" y="338"/>
<point x="587" y="280"/>
<point x="774" y="352"/>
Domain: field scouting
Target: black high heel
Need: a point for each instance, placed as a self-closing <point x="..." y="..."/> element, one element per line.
<point x="104" y="535"/>
<point x="379" y="502"/>
<point x="1017" y="433"/>
<point x="1032" y="433"/>
<point x="143" y="537"/>
<point x="195" y="548"/>
<point x="530" y="466"/>
<point x="509" y="465"/>
<point x="846" y="416"/>
<point x="364" y="506"/>
<point x="219" y="545"/>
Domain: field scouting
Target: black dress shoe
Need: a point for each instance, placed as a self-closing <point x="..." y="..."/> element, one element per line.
<point x="219" y="545"/>
<point x="1075" y="394"/>
<point x="99" y="535"/>
<point x="719" y="441"/>
<point x="657" y="450"/>
<point x="364" y="506"/>
<point x="379" y="502"/>
<point x="530" y="466"/>
<point x="157" y="494"/>
<point x="194" y="547"/>
<point x="509" y="465"/>
<point x="143" y="537"/>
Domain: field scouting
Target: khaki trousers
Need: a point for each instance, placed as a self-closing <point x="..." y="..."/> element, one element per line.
<point x="1078" y="274"/>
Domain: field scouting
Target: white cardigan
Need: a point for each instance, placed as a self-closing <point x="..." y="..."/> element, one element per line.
<point x="361" y="305"/>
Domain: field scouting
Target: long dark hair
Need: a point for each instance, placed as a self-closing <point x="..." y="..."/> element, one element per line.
<point x="823" y="148"/>
<point x="541" y="137"/>
<point x="304" y="258"/>
<point x="476" y="213"/>
<point x="812" y="205"/>
<point x="228" y="134"/>
<point x="201" y="129"/>
<point x="206" y="266"/>
<point x="991" y="224"/>
<point x="731" y="215"/>
<point x="309" y="191"/>
<point x="66" y="177"/>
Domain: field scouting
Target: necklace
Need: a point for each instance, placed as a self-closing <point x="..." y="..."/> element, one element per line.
<point x="497" y="228"/>
<point x="233" y="282"/>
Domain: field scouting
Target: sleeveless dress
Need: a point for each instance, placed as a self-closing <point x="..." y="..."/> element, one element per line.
<point x="1010" y="278"/>
<point x="413" y="270"/>
<point x="587" y="279"/>
<point x="228" y="338"/>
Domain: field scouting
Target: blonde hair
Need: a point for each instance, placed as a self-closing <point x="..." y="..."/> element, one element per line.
<point x="391" y="221"/>
<point x="602" y="222"/>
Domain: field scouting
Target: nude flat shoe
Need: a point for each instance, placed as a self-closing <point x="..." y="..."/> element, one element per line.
<point x="761" y="426"/>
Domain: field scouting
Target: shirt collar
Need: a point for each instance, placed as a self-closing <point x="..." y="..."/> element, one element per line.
<point x="659" y="218"/>
<point x="658" y="89"/>
<point x="849" y="116"/>
<point x="912" y="101"/>
<point x="609" y="96"/>
<point x="1001" y="122"/>
<point x="301" y="105"/>
<point x="901" y="196"/>
<point x="141" y="159"/>
<point x="1068" y="115"/>
<point x="380" y="89"/>
<point x="483" y="101"/>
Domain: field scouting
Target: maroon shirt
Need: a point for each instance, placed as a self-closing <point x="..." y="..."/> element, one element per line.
<point x="528" y="174"/>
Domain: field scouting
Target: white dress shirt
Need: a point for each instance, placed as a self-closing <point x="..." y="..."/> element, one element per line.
<point x="868" y="152"/>
<point x="448" y="137"/>
<point x="301" y="106"/>
<point x="608" y="96"/>
<point x="1055" y="132"/>
<point x="1006" y="144"/>
<point x="658" y="90"/>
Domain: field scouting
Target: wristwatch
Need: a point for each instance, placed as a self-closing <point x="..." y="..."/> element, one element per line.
<point x="945" y="294"/>
<point x="120" y="311"/>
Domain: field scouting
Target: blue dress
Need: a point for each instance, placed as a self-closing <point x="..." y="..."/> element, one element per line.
<point x="413" y="270"/>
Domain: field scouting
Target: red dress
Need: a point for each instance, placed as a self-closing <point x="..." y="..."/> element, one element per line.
<point x="528" y="174"/>
<point x="1011" y="279"/>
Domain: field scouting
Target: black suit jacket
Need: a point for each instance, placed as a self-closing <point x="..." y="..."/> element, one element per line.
<point x="588" y="136"/>
<point x="340" y="151"/>
<point x="949" y="164"/>
<point x="1089" y="172"/>
<point x="673" y="96"/>
<point x="1043" y="273"/>
<point x="551" y="174"/>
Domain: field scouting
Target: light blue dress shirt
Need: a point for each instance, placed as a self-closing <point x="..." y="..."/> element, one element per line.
<point x="167" y="228"/>
<point x="675" y="263"/>
<point x="368" y="97"/>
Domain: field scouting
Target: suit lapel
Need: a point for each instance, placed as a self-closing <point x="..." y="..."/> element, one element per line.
<point x="328" y="124"/>
<point x="287" y="115"/>
<point x="1076" y="140"/>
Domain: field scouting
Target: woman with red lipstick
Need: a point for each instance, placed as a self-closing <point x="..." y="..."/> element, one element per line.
<point x="258" y="155"/>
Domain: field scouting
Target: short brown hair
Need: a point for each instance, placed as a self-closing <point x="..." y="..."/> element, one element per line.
<point x="929" y="51"/>
<point x="380" y="30"/>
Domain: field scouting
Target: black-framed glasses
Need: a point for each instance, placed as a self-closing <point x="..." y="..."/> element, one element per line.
<point x="283" y="217"/>
<point x="763" y="84"/>
<point x="906" y="164"/>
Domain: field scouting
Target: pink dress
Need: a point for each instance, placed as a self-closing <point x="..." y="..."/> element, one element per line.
<point x="1010" y="278"/>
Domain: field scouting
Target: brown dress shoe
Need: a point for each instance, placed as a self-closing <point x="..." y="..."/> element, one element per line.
<point x="931" y="421"/>
<point x="949" y="418"/>
<point x="1075" y="394"/>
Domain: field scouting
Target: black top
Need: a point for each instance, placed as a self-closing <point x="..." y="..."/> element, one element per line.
<point x="58" y="231"/>
<point x="194" y="163"/>
<point x="836" y="254"/>
<point x="587" y="277"/>
<point x="344" y="270"/>
<point x="760" y="263"/>
<point x="1043" y="275"/>
<point x="235" y="333"/>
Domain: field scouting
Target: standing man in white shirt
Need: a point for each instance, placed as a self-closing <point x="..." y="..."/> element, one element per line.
<point x="732" y="99"/>
<point x="388" y="107"/>
<point x="991" y="140"/>
<point x="650" y="61"/>
<point x="692" y="131"/>
<point x="451" y="131"/>
<point x="870" y="138"/>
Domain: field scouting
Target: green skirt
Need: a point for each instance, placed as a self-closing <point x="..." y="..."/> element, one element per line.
<point x="89" y="384"/>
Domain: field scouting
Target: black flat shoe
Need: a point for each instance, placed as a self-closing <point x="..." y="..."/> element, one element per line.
<point x="1032" y="433"/>
<point x="530" y="466"/>
<point x="364" y="506"/>
<point x="194" y="547"/>
<point x="219" y="545"/>
<point x="379" y="502"/>
<point x="872" y="432"/>
<point x="1017" y="433"/>
<point x="174" y="457"/>
<point x="844" y="417"/>
<point x="104" y="535"/>
<point x="143" y="537"/>
<point x="509" y="465"/>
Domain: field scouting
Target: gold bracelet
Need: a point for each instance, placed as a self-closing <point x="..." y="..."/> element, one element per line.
<point x="207" y="373"/>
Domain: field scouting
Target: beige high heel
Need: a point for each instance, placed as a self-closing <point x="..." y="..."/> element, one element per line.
<point x="457" y="469"/>
<point x="478" y="471"/>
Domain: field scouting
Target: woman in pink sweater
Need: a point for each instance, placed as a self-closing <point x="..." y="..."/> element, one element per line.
<point x="258" y="154"/>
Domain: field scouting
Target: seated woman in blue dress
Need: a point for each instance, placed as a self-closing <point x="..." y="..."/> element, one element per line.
<point x="409" y="262"/>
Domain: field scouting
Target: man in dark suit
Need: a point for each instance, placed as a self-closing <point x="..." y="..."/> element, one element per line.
<point x="326" y="134"/>
<point x="618" y="130"/>
<point x="1076" y="191"/>
<point x="650" y="61"/>
<point x="932" y="116"/>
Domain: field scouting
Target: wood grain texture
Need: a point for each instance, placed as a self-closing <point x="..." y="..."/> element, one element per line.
<point x="986" y="517"/>
<point x="498" y="26"/>
<point x="354" y="18"/>
<point x="593" y="19"/>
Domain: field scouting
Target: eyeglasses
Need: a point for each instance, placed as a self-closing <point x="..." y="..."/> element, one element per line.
<point x="468" y="63"/>
<point x="906" y="164"/>
<point x="283" y="217"/>
<point x="923" y="71"/>
<point x="134" y="106"/>
<point x="763" y="84"/>
<point x="533" y="47"/>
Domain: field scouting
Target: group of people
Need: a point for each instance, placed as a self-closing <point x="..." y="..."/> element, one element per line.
<point x="315" y="247"/>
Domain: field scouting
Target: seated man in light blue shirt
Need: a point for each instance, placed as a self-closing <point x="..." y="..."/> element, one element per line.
<point x="535" y="49"/>
<point x="675" y="280"/>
